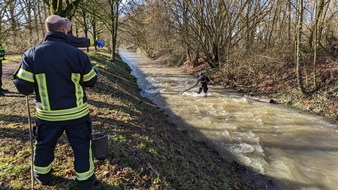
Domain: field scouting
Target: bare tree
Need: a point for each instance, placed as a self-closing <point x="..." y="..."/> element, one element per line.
<point x="317" y="32"/>
<point x="298" y="46"/>
<point x="114" y="15"/>
<point x="37" y="14"/>
<point x="61" y="8"/>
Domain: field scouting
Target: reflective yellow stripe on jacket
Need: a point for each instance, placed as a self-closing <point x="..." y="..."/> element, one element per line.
<point x="47" y="114"/>
<point x="64" y="114"/>
<point x="43" y="92"/>
<point x="78" y="88"/>
<point x="87" y="77"/>
<point x="25" y="75"/>
<point x="91" y="41"/>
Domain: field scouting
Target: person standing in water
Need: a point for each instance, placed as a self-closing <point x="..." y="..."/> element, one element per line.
<point x="203" y="81"/>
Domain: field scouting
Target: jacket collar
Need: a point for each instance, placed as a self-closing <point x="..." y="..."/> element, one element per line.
<point x="56" y="36"/>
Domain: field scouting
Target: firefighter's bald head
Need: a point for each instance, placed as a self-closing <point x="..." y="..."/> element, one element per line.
<point x="55" y="23"/>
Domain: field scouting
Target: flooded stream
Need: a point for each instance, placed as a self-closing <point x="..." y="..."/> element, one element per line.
<point x="297" y="149"/>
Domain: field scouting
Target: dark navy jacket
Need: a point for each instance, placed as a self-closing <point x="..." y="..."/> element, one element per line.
<point x="203" y="79"/>
<point x="80" y="42"/>
<point x="59" y="73"/>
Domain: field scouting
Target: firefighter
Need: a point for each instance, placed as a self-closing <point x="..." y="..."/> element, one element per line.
<point x="2" y="57"/>
<point x="59" y="74"/>
<point x="81" y="42"/>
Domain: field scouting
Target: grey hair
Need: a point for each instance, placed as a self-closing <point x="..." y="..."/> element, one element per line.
<point x="68" y="22"/>
<point x="57" y="26"/>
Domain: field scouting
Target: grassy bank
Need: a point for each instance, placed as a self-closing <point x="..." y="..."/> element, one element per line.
<point x="145" y="150"/>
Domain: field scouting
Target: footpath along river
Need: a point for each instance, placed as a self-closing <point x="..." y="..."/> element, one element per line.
<point x="297" y="150"/>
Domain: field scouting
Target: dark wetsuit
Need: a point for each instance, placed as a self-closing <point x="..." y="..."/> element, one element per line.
<point x="204" y="83"/>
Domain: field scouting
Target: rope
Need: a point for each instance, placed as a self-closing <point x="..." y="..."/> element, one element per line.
<point x="122" y="90"/>
<point x="111" y="74"/>
<point x="188" y="89"/>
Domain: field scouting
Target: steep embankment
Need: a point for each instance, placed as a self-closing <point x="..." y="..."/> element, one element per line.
<point x="145" y="150"/>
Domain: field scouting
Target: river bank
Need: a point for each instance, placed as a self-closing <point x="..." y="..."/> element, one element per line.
<point x="279" y="85"/>
<point x="145" y="150"/>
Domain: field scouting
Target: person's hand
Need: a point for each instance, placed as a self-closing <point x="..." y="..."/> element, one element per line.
<point x="100" y="44"/>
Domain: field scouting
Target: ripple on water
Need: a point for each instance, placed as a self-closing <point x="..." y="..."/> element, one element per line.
<point x="151" y="91"/>
<point x="282" y="139"/>
<point x="242" y="148"/>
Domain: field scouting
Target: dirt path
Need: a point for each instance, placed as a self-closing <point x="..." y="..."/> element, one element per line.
<point x="7" y="75"/>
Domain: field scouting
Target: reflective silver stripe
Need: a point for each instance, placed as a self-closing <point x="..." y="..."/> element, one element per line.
<point x="85" y="175"/>
<point x="43" y="92"/>
<point x="91" y="157"/>
<point x="89" y="76"/>
<point x="70" y="116"/>
<point x="25" y="75"/>
<point x="42" y="170"/>
<point x="78" y="88"/>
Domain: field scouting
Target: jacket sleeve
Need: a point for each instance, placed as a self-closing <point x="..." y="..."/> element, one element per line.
<point x="80" y="42"/>
<point x="199" y="79"/>
<point x="89" y="75"/>
<point x="23" y="78"/>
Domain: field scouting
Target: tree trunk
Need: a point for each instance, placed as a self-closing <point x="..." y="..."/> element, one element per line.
<point x="298" y="47"/>
<point x="36" y="24"/>
<point x="114" y="8"/>
<point x="13" y="21"/>
<point x="60" y="8"/>
<point x="289" y="23"/>
<point x="29" y="21"/>
<point x="116" y="28"/>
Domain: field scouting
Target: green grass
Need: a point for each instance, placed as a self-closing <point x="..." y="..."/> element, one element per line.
<point x="11" y="58"/>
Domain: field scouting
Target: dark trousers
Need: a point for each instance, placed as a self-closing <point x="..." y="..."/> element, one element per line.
<point x="79" y="136"/>
<point x="204" y="87"/>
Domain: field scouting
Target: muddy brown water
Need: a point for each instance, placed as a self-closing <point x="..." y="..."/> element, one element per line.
<point x="298" y="150"/>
